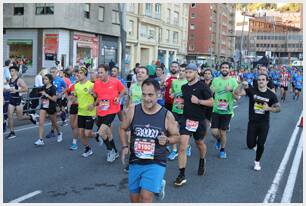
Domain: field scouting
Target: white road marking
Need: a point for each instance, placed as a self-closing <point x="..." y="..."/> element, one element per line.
<point x="270" y="196"/>
<point x="287" y="195"/>
<point x="26" y="128"/>
<point x="27" y="196"/>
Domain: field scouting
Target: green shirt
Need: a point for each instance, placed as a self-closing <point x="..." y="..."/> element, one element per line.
<point x="176" y="87"/>
<point x="151" y="69"/>
<point x="83" y="93"/>
<point x="223" y="100"/>
<point x="135" y="93"/>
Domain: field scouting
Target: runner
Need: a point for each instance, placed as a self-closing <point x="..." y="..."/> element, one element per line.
<point x="208" y="80"/>
<point x="161" y="79"/>
<point x="263" y="70"/>
<point x="83" y="90"/>
<point x="115" y="74"/>
<point x="73" y="114"/>
<point x="298" y="84"/>
<point x="196" y="96"/>
<point x="275" y="76"/>
<point x="148" y="122"/>
<point x="178" y="104"/>
<point x="174" y="69"/>
<point x="16" y="86"/>
<point x="293" y="75"/>
<point x="262" y="102"/>
<point x="135" y="94"/>
<point x="48" y="106"/>
<point x="284" y="82"/>
<point x="108" y="91"/>
<point x="60" y="85"/>
<point x="224" y="89"/>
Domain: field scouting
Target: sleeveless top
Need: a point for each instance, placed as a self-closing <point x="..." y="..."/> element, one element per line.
<point x="145" y="129"/>
<point x="14" y="84"/>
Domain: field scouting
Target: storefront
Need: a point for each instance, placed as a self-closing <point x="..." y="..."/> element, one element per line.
<point x="21" y="48"/>
<point x="109" y="49"/>
<point x="85" y="49"/>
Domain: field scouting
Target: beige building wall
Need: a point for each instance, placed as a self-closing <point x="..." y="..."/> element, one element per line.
<point x="156" y="31"/>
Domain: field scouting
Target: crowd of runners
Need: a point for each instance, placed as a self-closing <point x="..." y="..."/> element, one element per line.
<point x="159" y="113"/>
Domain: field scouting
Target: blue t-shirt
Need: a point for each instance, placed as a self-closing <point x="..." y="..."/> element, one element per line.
<point x="59" y="83"/>
<point x="72" y="79"/>
<point x="298" y="82"/>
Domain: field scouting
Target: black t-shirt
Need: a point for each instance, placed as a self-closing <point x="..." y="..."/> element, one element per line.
<point x="47" y="103"/>
<point x="270" y="83"/>
<point x="257" y="99"/>
<point x="194" y="111"/>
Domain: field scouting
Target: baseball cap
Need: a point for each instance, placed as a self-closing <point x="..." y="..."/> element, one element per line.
<point x="192" y="67"/>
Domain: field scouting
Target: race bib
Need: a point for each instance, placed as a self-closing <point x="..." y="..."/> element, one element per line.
<point x="144" y="149"/>
<point x="191" y="125"/>
<point x="104" y="104"/>
<point x="222" y="105"/>
<point x="45" y="103"/>
<point x="258" y="108"/>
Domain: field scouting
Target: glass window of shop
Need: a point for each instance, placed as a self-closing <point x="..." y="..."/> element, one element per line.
<point x="21" y="50"/>
<point x="83" y="54"/>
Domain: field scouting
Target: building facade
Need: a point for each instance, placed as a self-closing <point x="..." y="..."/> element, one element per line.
<point x="268" y="35"/>
<point x="156" y="32"/>
<point x="70" y="33"/>
<point x="211" y="32"/>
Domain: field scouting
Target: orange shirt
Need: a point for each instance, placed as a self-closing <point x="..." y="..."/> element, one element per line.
<point x="106" y="93"/>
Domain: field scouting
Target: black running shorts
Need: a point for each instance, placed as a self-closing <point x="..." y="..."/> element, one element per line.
<point x="220" y="121"/>
<point x="85" y="122"/>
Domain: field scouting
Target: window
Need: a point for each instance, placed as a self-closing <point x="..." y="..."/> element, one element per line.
<point x="192" y="26"/>
<point x="44" y="9"/>
<point x="193" y="5"/>
<point x="87" y="11"/>
<point x="151" y="34"/>
<point x="176" y="18"/>
<point x="168" y="15"/>
<point x="115" y="17"/>
<point x="175" y="37"/>
<point x="18" y="11"/>
<point x="130" y="7"/>
<point x="131" y="27"/>
<point x="148" y="11"/>
<point x="160" y="34"/>
<point x="143" y="30"/>
<point x="157" y="10"/>
<point x="101" y="13"/>
<point x="167" y="35"/>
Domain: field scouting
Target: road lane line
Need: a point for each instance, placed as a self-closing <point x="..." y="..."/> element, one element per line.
<point x="27" y="196"/>
<point x="270" y="196"/>
<point x="26" y="128"/>
<point x="287" y="195"/>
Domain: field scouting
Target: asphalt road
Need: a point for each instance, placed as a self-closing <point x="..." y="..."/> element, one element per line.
<point x="64" y="176"/>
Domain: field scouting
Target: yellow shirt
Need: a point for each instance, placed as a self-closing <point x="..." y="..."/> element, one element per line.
<point x="83" y="93"/>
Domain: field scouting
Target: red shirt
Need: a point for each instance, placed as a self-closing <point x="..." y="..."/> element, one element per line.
<point x="106" y="93"/>
<point x="168" y="99"/>
<point x="70" y="92"/>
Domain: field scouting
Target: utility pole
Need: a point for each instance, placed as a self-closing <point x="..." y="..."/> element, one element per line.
<point x="122" y="15"/>
<point x="241" y="41"/>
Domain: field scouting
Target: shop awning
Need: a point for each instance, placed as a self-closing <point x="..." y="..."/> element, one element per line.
<point x="20" y="41"/>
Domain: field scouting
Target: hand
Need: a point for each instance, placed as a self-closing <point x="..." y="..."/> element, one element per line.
<point x="124" y="153"/>
<point x="91" y="107"/>
<point x="228" y="88"/>
<point x="162" y="139"/>
<point x="245" y="84"/>
<point x="266" y="107"/>
<point x="194" y="99"/>
<point x="43" y="93"/>
<point x="116" y="100"/>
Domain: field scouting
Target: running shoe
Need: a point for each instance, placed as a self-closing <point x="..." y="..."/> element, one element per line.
<point x="222" y="155"/>
<point x="51" y="134"/>
<point x="99" y="139"/>
<point x="73" y="147"/>
<point x="60" y="137"/>
<point x="87" y="152"/>
<point x="11" y="135"/>
<point x="218" y="145"/>
<point x="255" y="148"/>
<point x="201" y="169"/>
<point x="112" y="155"/>
<point x="180" y="180"/>
<point x="173" y="155"/>
<point x="33" y="118"/>
<point x="39" y="142"/>
<point x="161" y="195"/>
<point x="257" y="166"/>
<point x="188" y="151"/>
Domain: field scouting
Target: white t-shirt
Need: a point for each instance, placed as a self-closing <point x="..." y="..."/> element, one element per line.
<point x="38" y="81"/>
